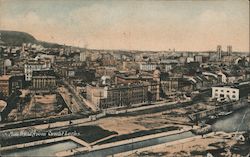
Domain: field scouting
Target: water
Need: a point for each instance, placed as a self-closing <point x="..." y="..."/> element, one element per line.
<point x="42" y="150"/>
<point x="128" y="147"/>
<point x="229" y="123"/>
<point x="50" y="150"/>
<point x="233" y="121"/>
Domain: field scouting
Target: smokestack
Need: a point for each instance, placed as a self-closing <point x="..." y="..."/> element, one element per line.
<point x="229" y="50"/>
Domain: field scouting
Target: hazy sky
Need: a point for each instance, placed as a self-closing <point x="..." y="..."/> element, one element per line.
<point x="127" y="24"/>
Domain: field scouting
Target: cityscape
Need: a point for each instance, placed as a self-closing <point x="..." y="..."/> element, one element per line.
<point x="71" y="99"/>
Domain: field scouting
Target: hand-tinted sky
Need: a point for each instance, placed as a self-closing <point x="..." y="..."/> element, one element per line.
<point x="127" y="24"/>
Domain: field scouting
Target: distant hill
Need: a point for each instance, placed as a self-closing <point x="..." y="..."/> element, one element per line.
<point x="16" y="38"/>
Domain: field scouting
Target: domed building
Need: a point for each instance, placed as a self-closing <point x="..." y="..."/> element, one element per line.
<point x="7" y="63"/>
<point x="156" y="74"/>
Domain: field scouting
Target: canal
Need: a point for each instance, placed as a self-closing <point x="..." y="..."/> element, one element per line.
<point x="239" y="120"/>
<point x="42" y="150"/>
<point x="136" y="145"/>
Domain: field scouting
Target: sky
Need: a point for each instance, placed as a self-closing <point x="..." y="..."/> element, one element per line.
<point x="193" y="25"/>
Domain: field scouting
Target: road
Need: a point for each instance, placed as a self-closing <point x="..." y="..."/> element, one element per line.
<point x="81" y="106"/>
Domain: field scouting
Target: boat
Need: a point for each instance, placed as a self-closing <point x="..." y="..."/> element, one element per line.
<point x="225" y="113"/>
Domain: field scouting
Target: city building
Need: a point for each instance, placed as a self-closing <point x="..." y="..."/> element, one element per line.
<point x="226" y="77"/>
<point x="105" y="70"/>
<point x="16" y="82"/>
<point x="198" y="58"/>
<point x="174" y="84"/>
<point x="148" y="66"/>
<point x="5" y="85"/>
<point x="190" y="59"/>
<point x="114" y="96"/>
<point x="35" y="65"/>
<point x="108" y="60"/>
<point x="44" y="80"/>
<point x="125" y="79"/>
<point x="232" y="93"/>
<point x="229" y="93"/>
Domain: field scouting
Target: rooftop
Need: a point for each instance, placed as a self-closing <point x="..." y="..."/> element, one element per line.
<point x="5" y="77"/>
<point x="3" y="104"/>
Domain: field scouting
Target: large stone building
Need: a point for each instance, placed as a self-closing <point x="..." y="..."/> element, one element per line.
<point x="35" y="65"/>
<point x="174" y="84"/>
<point x="121" y="95"/>
<point x="232" y="93"/>
<point x="125" y="79"/>
<point x="43" y="80"/>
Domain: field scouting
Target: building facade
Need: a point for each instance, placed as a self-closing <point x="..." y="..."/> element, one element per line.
<point x="174" y="84"/>
<point x="35" y="65"/>
<point x="121" y="95"/>
<point x="43" y="80"/>
<point x="16" y="82"/>
<point x="198" y="58"/>
<point x="148" y="66"/>
<point x="228" y="93"/>
<point x="5" y="85"/>
<point x="83" y="56"/>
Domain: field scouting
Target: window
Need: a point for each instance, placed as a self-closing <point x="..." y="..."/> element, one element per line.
<point x="228" y="91"/>
<point x="234" y="91"/>
<point x="216" y="94"/>
<point x="221" y="90"/>
<point x="234" y="96"/>
<point x="216" y="90"/>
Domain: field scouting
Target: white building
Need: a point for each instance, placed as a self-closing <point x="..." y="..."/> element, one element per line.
<point x="228" y="93"/>
<point x="45" y="56"/>
<point x="190" y="59"/>
<point x="34" y="65"/>
<point x="148" y="66"/>
<point x="83" y="56"/>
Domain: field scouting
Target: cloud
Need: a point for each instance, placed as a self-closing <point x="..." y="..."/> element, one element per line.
<point x="136" y="25"/>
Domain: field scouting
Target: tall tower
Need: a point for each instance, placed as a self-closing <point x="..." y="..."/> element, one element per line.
<point x="83" y="56"/>
<point x="156" y="77"/>
<point x="219" y="51"/>
<point x="229" y="50"/>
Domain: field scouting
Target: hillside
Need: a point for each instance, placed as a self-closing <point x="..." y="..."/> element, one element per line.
<point x="15" y="38"/>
